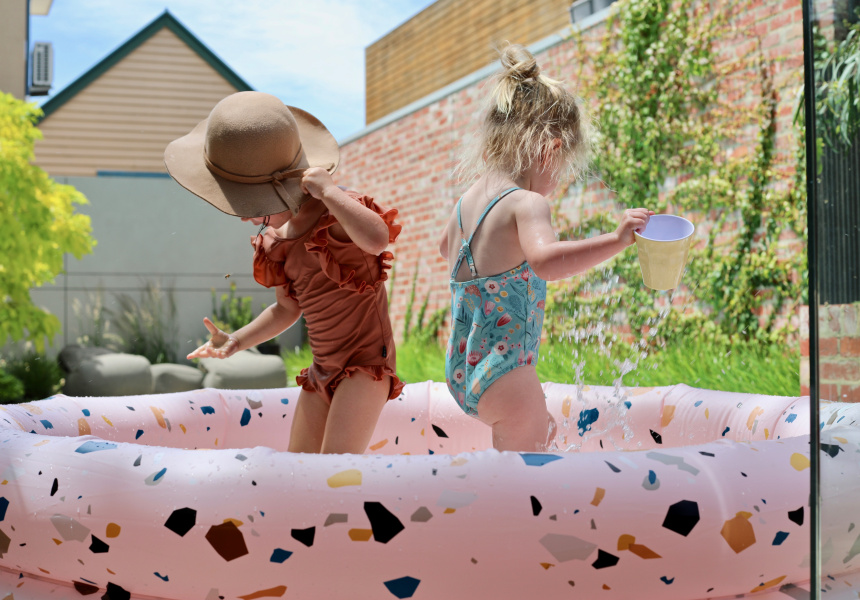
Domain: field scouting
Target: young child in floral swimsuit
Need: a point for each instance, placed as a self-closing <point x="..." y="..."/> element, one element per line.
<point x="323" y="249"/>
<point x="534" y="130"/>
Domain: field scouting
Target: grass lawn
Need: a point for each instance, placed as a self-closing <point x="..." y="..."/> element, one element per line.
<point x="744" y="368"/>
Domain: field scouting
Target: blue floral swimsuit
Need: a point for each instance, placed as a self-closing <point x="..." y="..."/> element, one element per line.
<point x="496" y="323"/>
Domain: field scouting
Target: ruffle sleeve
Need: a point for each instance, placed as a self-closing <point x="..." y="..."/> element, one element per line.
<point x="268" y="268"/>
<point x="344" y="275"/>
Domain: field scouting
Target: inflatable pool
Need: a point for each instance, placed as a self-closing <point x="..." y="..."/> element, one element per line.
<point x="670" y="493"/>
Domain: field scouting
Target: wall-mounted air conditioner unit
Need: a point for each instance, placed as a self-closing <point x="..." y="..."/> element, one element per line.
<point x="41" y="69"/>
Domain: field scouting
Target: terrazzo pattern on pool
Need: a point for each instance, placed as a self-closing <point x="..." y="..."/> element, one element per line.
<point x="663" y="493"/>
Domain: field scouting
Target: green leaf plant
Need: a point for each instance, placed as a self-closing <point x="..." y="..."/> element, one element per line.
<point x="234" y="312"/>
<point x="38" y="227"/>
<point x="690" y="129"/>
<point x="427" y="329"/>
<point x="837" y="93"/>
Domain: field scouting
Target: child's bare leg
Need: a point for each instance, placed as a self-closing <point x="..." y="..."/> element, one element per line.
<point x="355" y="408"/>
<point x="514" y="406"/>
<point x="306" y="434"/>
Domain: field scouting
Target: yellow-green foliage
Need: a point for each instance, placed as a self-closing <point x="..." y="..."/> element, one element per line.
<point x="38" y="226"/>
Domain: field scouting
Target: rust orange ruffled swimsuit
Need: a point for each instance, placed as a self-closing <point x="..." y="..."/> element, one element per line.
<point x="338" y="287"/>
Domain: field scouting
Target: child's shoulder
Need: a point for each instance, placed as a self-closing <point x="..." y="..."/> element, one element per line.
<point x="524" y="195"/>
<point x="510" y="201"/>
<point x="529" y="204"/>
<point x="388" y="216"/>
<point x="520" y="198"/>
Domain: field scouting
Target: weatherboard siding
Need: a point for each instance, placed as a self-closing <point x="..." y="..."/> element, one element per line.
<point x="448" y="40"/>
<point x="123" y="120"/>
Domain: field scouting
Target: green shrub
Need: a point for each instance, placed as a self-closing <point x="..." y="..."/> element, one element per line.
<point x="147" y="328"/>
<point x="40" y="376"/>
<point x="421" y="332"/>
<point x="233" y="313"/>
<point x="11" y="388"/>
<point x="94" y="322"/>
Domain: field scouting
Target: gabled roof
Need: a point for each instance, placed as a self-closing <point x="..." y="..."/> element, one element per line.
<point x="166" y="20"/>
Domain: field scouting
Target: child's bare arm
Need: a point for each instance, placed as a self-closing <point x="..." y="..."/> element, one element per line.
<point x="364" y="227"/>
<point x="271" y="322"/>
<point x="443" y="243"/>
<point x="552" y="259"/>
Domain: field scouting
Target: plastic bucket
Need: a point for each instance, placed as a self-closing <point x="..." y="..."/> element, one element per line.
<point x="663" y="247"/>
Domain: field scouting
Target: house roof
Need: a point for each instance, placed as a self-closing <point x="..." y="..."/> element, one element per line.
<point x="165" y="21"/>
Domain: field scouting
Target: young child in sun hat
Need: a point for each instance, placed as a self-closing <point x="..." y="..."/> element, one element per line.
<point x="501" y="249"/>
<point x="321" y="247"/>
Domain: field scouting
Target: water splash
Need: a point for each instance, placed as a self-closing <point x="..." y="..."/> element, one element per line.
<point x="596" y="333"/>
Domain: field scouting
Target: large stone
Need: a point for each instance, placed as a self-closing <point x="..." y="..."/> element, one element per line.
<point x="244" y="370"/>
<point x="98" y="372"/>
<point x="168" y="378"/>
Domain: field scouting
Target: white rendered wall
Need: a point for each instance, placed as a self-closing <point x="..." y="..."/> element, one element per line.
<point x="149" y="229"/>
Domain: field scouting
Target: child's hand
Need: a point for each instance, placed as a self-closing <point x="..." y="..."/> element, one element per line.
<point x="220" y="345"/>
<point x="315" y="181"/>
<point x="634" y="219"/>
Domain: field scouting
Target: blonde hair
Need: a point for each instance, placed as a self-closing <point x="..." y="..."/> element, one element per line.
<point x="527" y="111"/>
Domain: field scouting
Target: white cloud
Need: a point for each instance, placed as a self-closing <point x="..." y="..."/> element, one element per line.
<point x="310" y="54"/>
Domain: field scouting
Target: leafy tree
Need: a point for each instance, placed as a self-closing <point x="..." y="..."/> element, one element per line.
<point x="38" y="226"/>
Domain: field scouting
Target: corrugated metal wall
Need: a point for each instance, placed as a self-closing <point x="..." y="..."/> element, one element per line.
<point x="839" y="224"/>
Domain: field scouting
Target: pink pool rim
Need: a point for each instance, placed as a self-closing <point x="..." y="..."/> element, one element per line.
<point x="670" y="493"/>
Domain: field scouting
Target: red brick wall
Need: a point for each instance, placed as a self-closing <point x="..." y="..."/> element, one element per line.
<point x="838" y="352"/>
<point x="407" y="164"/>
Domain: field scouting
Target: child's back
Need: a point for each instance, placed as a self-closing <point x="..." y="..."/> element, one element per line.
<point x="495" y="245"/>
<point x="501" y="249"/>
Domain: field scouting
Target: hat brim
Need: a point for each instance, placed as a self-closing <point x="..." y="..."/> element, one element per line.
<point x="185" y="162"/>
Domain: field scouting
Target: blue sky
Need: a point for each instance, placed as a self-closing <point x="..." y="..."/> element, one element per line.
<point x="309" y="53"/>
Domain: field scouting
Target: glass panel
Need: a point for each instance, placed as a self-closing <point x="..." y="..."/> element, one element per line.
<point x="832" y="110"/>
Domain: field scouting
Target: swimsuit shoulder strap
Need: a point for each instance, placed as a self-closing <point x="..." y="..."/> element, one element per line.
<point x="492" y="203"/>
<point x="460" y="218"/>
<point x="465" y="248"/>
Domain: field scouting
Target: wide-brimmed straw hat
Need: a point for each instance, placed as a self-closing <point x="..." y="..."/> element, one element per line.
<point x="247" y="158"/>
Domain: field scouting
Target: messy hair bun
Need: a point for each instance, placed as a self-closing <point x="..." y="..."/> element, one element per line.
<point x="527" y="111"/>
<point x="519" y="68"/>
